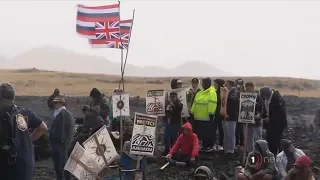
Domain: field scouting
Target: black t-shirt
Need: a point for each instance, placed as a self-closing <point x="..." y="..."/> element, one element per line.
<point x="22" y="167"/>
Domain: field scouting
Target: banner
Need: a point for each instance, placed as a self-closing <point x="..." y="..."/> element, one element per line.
<point x="143" y="139"/>
<point x="77" y="169"/>
<point x="102" y="138"/>
<point x="155" y="102"/>
<point x="120" y="105"/>
<point x="182" y="96"/>
<point x="247" y="107"/>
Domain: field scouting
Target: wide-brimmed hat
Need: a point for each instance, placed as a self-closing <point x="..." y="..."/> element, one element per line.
<point x="59" y="99"/>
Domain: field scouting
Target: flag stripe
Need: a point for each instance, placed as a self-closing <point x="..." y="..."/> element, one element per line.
<point x="98" y="19"/>
<point x="97" y="11"/>
<point x="99" y="15"/>
<point x="86" y="28"/>
<point x="99" y="7"/>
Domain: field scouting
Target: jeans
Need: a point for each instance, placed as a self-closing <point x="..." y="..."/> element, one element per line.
<point x="239" y="134"/>
<point x="60" y="157"/>
<point x="254" y="134"/>
<point x="171" y="132"/>
<point x="229" y="128"/>
<point x="217" y="124"/>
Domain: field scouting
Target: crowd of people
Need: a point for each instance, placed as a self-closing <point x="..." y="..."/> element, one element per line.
<point x="184" y="138"/>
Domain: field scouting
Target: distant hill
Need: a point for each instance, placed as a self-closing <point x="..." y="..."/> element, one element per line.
<point x="59" y="59"/>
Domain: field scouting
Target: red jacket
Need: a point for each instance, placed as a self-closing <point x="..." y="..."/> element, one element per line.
<point x="187" y="144"/>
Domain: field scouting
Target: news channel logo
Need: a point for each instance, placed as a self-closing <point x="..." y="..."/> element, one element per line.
<point x="255" y="159"/>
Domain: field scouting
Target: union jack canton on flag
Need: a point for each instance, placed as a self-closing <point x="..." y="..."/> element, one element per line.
<point x="109" y="37"/>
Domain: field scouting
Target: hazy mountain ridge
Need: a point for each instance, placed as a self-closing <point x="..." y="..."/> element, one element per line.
<point x="59" y="59"/>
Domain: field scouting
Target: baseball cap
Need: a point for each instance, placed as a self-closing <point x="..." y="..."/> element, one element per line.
<point x="7" y="92"/>
<point x="179" y="81"/>
<point x="195" y="80"/>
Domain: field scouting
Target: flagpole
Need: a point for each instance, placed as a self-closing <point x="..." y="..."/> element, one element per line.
<point x="126" y="58"/>
<point x="121" y="64"/>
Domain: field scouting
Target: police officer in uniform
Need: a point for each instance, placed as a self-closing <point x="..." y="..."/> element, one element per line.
<point x="16" y="148"/>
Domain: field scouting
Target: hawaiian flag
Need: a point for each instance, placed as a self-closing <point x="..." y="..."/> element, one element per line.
<point x="92" y="20"/>
<point x="120" y="42"/>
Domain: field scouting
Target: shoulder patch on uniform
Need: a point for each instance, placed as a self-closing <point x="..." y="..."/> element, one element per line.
<point x="21" y="122"/>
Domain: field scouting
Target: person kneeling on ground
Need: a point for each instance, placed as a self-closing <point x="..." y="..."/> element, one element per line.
<point x="287" y="157"/>
<point x="301" y="170"/>
<point x="260" y="164"/>
<point x="188" y="144"/>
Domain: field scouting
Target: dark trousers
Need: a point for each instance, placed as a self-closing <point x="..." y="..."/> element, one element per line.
<point x="274" y="137"/>
<point x="171" y="133"/>
<point x="217" y="124"/>
<point x="185" y="158"/>
<point x="60" y="157"/>
<point x="203" y="129"/>
<point x="239" y="134"/>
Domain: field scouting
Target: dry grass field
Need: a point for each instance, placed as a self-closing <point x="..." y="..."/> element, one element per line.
<point x="31" y="82"/>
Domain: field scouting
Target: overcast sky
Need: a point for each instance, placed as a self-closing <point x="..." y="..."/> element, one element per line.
<point x="243" y="37"/>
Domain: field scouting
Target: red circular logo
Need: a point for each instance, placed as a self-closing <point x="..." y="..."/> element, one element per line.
<point x="255" y="159"/>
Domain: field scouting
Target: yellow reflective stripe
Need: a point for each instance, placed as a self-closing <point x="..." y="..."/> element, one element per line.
<point x="202" y="104"/>
<point x="200" y="119"/>
<point x="214" y="102"/>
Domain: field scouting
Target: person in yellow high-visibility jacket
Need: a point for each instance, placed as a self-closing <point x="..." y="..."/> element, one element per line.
<point x="202" y="114"/>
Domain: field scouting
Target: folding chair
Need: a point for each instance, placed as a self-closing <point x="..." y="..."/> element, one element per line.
<point x="127" y="168"/>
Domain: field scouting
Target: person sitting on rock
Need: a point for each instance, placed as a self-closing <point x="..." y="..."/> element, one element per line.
<point x="188" y="144"/>
<point x="93" y="122"/>
<point x="287" y="157"/>
<point x="127" y="133"/>
<point x="301" y="170"/>
<point x="260" y="164"/>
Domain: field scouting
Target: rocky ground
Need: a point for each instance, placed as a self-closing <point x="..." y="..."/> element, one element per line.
<point x="301" y="112"/>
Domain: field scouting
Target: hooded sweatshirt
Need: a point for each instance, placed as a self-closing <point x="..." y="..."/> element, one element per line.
<point x="189" y="145"/>
<point x="266" y="161"/>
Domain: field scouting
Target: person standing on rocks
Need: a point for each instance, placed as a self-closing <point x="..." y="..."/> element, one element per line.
<point x="202" y="113"/>
<point x="193" y="91"/>
<point x="239" y="83"/>
<point x="287" y="157"/>
<point x="16" y="151"/>
<point x="217" y="123"/>
<point x="99" y="99"/>
<point x="50" y="104"/>
<point x="274" y="117"/>
<point x="254" y="131"/>
<point x="61" y="136"/>
<point x="229" y="125"/>
<point x="173" y="126"/>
